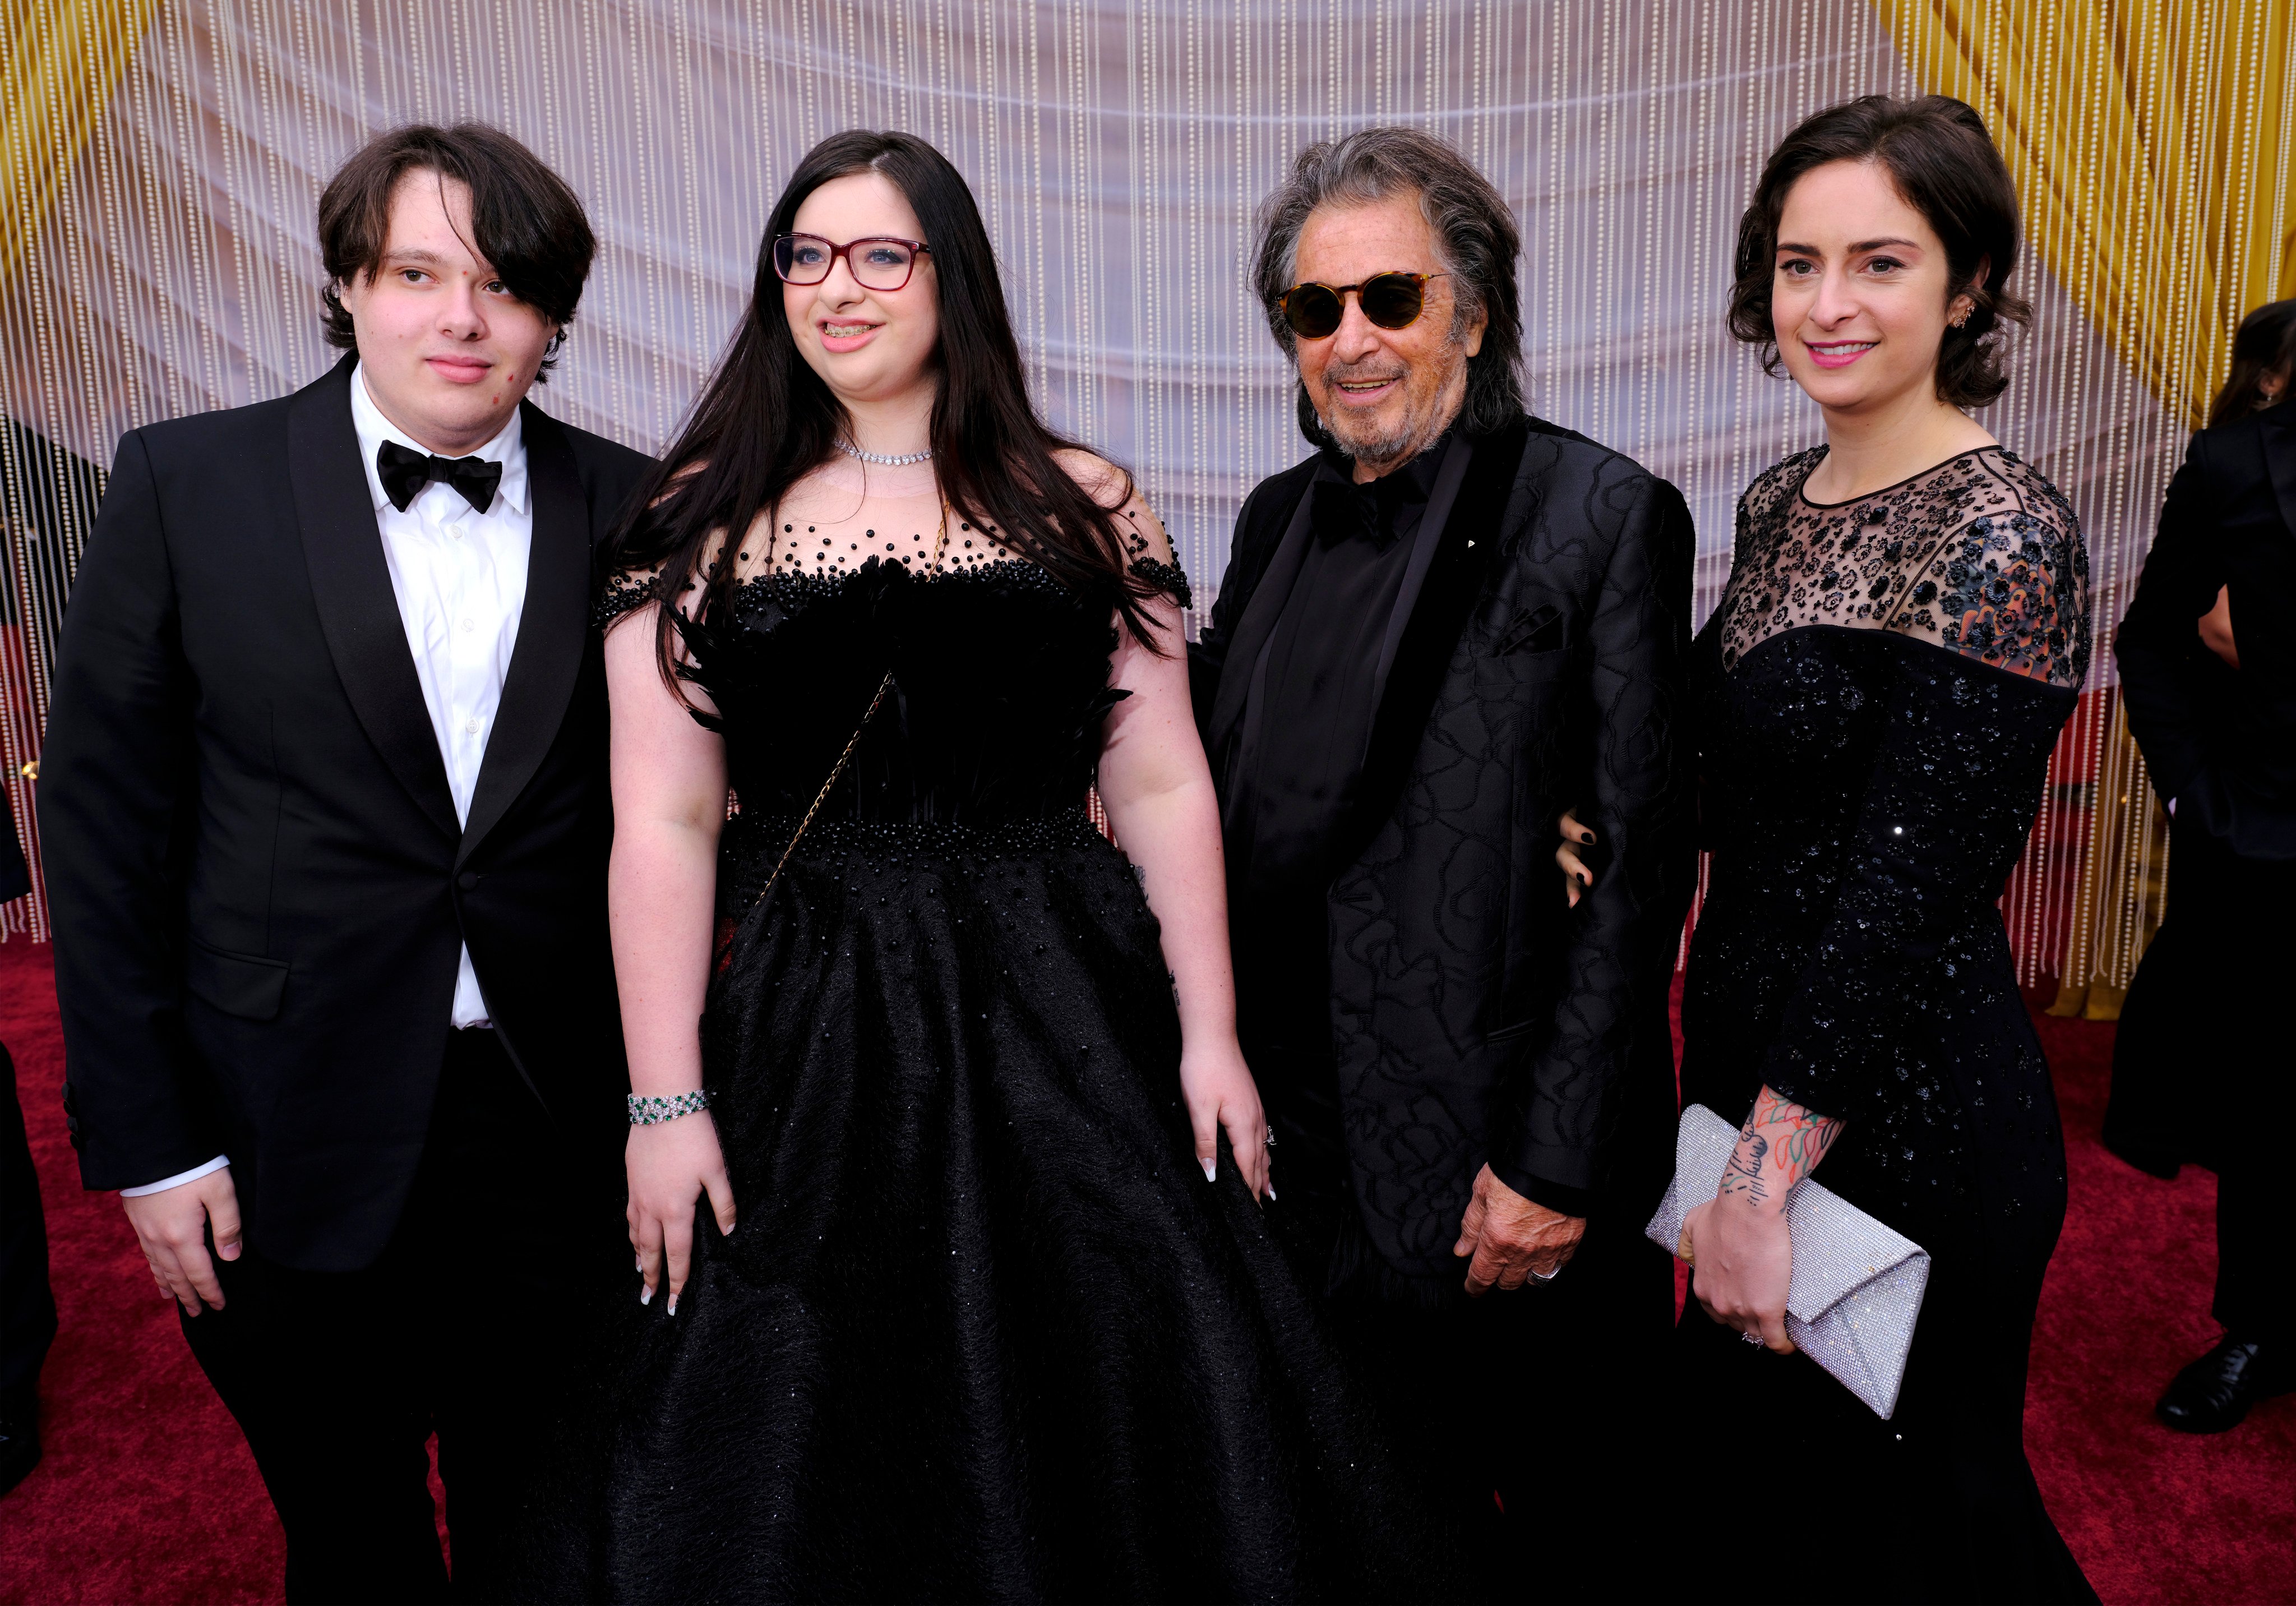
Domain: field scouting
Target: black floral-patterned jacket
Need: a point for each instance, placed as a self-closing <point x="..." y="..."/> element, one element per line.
<point x="1475" y="1018"/>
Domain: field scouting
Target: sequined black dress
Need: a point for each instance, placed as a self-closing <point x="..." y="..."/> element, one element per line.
<point x="983" y="1330"/>
<point x="1877" y="695"/>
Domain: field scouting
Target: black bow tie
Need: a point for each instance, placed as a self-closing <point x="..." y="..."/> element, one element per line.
<point x="405" y="471"/>
<point x="1346" y="512"/>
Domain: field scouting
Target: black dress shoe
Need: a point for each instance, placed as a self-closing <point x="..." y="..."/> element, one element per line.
<point x="2215" y="1392"/>
<point x="19" y="1447"/>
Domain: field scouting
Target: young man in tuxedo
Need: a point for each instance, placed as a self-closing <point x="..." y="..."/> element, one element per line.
<point x="326" y="818"/>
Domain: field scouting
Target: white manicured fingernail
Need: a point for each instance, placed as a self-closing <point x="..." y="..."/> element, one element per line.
<point x="1271" y="1192"/>
<point x="645" y="1294"/>
<point x="673" y="1304"/>
<point x="1211" y="1171"/>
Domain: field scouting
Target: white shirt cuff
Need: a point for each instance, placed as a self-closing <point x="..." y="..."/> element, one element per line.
<point x="178" y="1179"/>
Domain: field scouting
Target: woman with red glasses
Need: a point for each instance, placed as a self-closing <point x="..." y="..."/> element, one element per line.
<point x="946" y="1172"/>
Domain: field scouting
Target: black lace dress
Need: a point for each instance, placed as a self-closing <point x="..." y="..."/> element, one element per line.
<point x="1877" y="694"/>
<point x="983" y="1331"/>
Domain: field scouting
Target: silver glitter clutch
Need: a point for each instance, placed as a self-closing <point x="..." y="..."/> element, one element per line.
<point x="1857" y="1284"/>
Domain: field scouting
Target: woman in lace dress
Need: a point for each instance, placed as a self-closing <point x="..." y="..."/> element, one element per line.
<point x="1904" y="633"/>
<point x="979" y="1299"/>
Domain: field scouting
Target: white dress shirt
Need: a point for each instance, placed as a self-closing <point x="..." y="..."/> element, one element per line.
<point x="460" y="578"/>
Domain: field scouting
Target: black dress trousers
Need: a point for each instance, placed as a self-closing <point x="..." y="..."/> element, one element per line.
<point x="1524" y="1417"/>
<point x="2202" y="1070"/>
<point x="28" y="1308"/>
<point x="338" y="1378"/>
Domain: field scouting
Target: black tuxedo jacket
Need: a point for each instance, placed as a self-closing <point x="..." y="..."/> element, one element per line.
<point x="2219" y="740"/>
<point x="1474" y="1018"/>
<point x="259" y="889"/>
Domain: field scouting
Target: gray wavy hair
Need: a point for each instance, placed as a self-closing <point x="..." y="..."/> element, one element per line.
<point x="1475" y="238"/>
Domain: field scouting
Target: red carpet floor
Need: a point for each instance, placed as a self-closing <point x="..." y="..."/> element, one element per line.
<point x="148" y="1495"/>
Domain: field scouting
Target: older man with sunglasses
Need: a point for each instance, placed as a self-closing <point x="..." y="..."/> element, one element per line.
<point x="1447" y="627"/>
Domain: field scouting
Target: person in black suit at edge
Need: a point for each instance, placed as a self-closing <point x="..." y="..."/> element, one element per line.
<point x="325" y="816"/>
<point x="1451" y="623"/>
<point x="2201" y="1067"/>
<point x="28" y="1304"/>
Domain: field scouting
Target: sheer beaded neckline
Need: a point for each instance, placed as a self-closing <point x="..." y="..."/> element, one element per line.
<point x="1978" y="555"/>
<point x="1801" y="491"/>
<point x="783" y="550"/>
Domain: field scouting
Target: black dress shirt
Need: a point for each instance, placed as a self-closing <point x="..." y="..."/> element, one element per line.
<point x="1315" y="694"/>
<point x="1315" y="688"/>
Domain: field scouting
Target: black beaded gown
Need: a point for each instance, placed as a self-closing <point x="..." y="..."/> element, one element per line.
<point x="1877" y="694"/>
<point x="983" y="1331"/>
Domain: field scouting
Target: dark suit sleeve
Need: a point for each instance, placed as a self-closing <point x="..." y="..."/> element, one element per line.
<point x="1207" y="653"/>
<point x="2158" y="647"/>
<point x="1956" y="779"/>
<point x="1623" y="936"/>
<point x="116" y="790"/>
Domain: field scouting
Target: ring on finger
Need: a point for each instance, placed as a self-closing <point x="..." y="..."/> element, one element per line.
<point x="1751" y="1336"/>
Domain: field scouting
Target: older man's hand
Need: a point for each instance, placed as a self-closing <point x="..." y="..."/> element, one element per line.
<point x="1505" y="1237"/>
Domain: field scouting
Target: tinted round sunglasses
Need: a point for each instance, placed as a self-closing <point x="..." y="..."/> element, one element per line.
<point x="877" y="262"/>
<point x="1390" y="300"/>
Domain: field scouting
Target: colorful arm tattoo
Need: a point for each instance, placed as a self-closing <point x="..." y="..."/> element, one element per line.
<point x="1780" y="1145"/>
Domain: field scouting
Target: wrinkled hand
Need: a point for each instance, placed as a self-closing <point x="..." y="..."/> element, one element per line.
<point x="171" y="1227"/>
<point x="671" y="1164"/>
<point x="1576" y="877"/>
<point x="1744" y="1257"/>
<point x="1220" y="1093"/>
<point x="1508" y="1238"/>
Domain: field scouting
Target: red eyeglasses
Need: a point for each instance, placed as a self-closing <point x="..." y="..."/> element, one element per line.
<point x="879" y="262"/>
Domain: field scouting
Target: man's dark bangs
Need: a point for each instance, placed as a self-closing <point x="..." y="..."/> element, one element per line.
<point x="526" y="222"/>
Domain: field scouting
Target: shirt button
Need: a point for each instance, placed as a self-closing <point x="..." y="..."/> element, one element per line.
<point x="469" y="624"/>
<point x="454" y="530"/>
<point x="470" y="727"/>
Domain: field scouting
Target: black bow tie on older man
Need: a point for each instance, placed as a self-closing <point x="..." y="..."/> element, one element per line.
<point x="405" y="471"/>
<point x="1345" y="511"/>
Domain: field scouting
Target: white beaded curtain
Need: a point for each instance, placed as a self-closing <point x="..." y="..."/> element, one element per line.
<point x="1117" y="150"/>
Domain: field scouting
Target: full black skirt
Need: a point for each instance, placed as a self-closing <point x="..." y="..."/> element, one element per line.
<point x="983" y="1331"/>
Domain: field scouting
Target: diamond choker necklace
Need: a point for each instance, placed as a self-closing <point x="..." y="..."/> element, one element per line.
<point x="881" y="458"/>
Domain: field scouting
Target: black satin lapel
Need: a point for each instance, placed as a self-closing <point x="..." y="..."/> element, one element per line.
<point x="2279" y="439"/>
<point x="350" y="584"/>
<point x="1432" y="522"/>
<point x="1259" y="621"/>
<point x="1454" y="580"/>
<point x="553" y="628"/>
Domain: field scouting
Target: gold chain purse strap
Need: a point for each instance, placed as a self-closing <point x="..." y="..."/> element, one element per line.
<point x="940" y="545"/>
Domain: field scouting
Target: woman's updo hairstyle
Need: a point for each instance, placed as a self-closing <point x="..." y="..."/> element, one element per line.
<point x="1945" y="166"/>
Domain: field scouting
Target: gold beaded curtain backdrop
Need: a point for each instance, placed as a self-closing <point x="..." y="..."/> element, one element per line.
<point x="161" y="160"/>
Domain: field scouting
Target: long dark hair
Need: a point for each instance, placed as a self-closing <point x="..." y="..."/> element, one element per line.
<point x="765" y="420"/>
<point x="1937" y="153"/>
<point x="2264" y="343"/>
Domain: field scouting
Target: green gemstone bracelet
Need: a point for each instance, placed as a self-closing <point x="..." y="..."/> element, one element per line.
<point x="650" y="1111"/>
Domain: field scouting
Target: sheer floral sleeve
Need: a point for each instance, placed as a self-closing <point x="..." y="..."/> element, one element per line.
<point x="1981" y="555"/>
